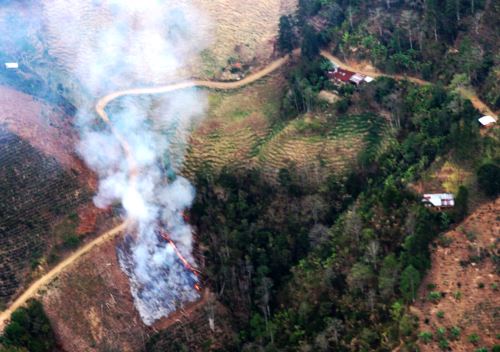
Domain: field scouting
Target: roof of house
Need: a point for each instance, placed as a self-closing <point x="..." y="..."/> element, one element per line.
<point x="439" y="199"/>
<point x="368" y="79"/>
<point x="11" y="65"/>
<point x="341" y="75"/>
<point x="487" y="120"/>
<point x="357" y="78"/>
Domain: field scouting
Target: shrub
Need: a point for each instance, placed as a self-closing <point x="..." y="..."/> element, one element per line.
<point x="496" y="348"/>
<point x="425" y="336"/>
<point x="481" y="349"/>
<point x="455" y="333"/>
<point x="440" y="314"/>
<point x="457" y="295"/>
<point x="441" y="332"/>
<point x="443" y="344"/>
<point x="434" y="296"/>
<point x="473" y="338"/>
<point x="71" y="241"/>
<point x="480" y="285"/>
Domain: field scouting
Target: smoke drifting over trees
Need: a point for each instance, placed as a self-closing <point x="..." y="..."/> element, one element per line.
<point x="138" y="44"/>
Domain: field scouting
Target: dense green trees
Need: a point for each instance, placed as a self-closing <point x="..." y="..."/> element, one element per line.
<point x="28" y="330"/>
<point x="488" y="177"/>
<point x="286" y="38"/>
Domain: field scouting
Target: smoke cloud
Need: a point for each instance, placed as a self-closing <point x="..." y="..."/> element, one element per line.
<point x="116" y="44"/>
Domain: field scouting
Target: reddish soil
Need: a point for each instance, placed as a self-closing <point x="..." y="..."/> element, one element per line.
<point x="45" y="127"/>
<point x="465" y="266"/>
<point x="91" y="308"/>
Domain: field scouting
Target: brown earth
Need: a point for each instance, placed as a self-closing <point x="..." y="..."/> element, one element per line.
<point x="466" y="276"/>
<point x="46" y="128"/>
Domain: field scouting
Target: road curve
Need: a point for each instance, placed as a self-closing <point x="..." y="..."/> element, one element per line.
<point x="54" y="272"/>
<point x="100" y="109"/>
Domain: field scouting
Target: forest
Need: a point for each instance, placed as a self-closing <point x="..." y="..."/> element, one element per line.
<point x="333" y="265"/>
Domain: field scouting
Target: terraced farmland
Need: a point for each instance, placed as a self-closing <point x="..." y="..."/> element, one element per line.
<point x="319" y="148"/>
<point x="243" y="130"/>
<point x="35" y="191"/>
<point x="237" y="124"/>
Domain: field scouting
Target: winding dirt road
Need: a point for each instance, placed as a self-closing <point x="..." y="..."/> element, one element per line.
<point x="52" y="274"/>
<point x="100" y="109"/>
<point x="476" y="102"/>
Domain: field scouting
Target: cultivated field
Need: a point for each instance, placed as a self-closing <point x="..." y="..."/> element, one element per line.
<point x="243" y="130"/>
<point x="460" y="296"/>
<point x="35" y="194"/>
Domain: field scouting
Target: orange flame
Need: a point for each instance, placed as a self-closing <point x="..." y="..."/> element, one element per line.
<point x="184" y="261"/>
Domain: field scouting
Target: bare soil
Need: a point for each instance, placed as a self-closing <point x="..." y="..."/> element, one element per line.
<point x="465" y="274"/>
<point x="46" y="128"/>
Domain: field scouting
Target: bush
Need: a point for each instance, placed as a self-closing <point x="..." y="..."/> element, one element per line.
<point x="425" y="336"/>
<point x="488" y="177"/>
<point x="455" y="333"/>
<point x="496" y="348"/>
<point x="440" y="314"/>
<point x="473" y="338"/>
<point x="434" y="296"/>
<point x="443" y="344"/>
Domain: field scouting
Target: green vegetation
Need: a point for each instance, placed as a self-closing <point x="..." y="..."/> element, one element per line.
<point x="331" y="267"/>
<point x="488" y="176"/>
<point x="28" y="330"/>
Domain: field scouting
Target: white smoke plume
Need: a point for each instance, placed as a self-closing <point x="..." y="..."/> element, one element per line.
<point x="138" y="43"/>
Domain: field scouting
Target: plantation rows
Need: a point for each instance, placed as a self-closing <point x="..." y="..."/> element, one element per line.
<point x="34" y="191"/>
<point x="331" y="149"/>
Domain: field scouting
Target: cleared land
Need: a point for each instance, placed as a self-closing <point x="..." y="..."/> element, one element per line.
<point x="464" y="284"/>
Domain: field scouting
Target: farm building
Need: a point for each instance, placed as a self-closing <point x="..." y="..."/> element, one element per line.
<point x="11" y="65"/>
<point x="344" y="76"/>
<point x="340" y="75"/>
<point x="487" y="120"/>
<point x="439" y="200"/>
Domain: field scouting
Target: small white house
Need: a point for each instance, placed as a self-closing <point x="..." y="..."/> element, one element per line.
<point x="487" y="120"/>
<point x="369" y="79"/>
<point x="439" y="200"/>
<point x="11" y="65"/>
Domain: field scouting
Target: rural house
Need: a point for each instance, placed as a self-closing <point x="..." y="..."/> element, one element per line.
<point x="439" y="200"/>
<point x="487" y="121"/>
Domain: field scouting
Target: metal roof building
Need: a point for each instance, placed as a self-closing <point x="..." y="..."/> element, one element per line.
<point x="439" y="199"/>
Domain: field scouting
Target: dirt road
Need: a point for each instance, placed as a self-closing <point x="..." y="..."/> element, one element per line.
<point x="100" y="109"/>
<point x="52" y="274"/>
<point x="476" y="102"/>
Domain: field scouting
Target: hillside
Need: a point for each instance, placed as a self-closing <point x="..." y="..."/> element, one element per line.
<point x="305" y="227"/>
<point x="463" y="284"/>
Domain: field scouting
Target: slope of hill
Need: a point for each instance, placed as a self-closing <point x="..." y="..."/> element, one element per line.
<point x="35" y="192"/>
<point x="463" y="284"/>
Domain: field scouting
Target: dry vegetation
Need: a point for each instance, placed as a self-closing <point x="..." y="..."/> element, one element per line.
<point x="464" y="283"/>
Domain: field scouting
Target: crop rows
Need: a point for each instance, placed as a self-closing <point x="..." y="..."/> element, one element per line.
<point x="34" y="192"/>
